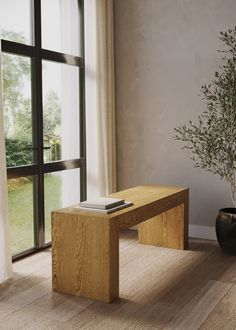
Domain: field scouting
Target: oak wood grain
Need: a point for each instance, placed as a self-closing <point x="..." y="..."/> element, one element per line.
<point x="166" y="229"/>
<point x="148" y="201"/>
<point x="85" y="254"/>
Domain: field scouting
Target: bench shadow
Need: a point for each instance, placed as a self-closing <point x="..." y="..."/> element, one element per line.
<point x="164" y="298"/>
<point x="157" y="303"/>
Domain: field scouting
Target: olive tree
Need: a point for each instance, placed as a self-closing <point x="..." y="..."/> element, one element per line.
<point x="212" y="140"/>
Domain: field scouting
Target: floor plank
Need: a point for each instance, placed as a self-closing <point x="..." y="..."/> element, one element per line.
<point x="159" y="289"/>
<point x="200" y="307"/>
<point x="224" y="315"/>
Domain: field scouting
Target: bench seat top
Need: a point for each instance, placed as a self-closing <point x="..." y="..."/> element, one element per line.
<point x="148" y="201"/>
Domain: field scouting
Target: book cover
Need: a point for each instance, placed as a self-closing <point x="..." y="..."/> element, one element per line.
<point x="105" y="211"/>
<point x="102" y="203"/>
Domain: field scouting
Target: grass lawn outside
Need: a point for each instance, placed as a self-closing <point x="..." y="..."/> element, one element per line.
<point x="21" y="214"/>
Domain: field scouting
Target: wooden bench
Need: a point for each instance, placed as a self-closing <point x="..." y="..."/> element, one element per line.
<point x="85" y="245"/>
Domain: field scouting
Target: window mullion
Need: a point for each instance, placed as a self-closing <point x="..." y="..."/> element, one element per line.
<point x="38" y="115"/>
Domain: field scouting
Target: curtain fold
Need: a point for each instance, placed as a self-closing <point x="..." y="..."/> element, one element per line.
<point x="5" y="256"/>
<point x="100" y="98"/>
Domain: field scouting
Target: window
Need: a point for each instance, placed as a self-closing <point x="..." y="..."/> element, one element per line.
<point x="43" y="92"/>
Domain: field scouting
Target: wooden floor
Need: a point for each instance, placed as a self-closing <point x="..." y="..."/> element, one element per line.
<point x="159" y="288"/>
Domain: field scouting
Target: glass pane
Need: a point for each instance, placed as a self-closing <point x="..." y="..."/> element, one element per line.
<point x="17" y="109"/>
<point x="15" y="20"/>
<point x="61" y="189"/>
<point x="21" y="213"/>
<point x="60" y="26"/>
<point x="60" y="111"/>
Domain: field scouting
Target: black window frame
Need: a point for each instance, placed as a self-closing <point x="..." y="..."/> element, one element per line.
<point x="37" y="54"/>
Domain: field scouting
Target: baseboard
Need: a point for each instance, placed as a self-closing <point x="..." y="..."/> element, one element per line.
<point x="196" y="231"/>
<point x="204" y="232"/>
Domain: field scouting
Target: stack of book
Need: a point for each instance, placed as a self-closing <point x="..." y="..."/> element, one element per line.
<point x="104" y="205"/>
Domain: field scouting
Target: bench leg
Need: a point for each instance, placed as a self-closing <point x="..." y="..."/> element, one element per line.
<point x="169" y="229"/>
<point x="85" y="257"/>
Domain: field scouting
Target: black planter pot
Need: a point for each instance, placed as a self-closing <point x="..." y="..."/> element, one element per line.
<point x="226" y="230"/>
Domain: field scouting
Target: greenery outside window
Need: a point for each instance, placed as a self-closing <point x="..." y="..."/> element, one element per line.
<point x="43" y="94"/>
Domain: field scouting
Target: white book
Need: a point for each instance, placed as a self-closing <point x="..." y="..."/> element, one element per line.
<point x="102" y="203"/>
<point x="105" y="211"/>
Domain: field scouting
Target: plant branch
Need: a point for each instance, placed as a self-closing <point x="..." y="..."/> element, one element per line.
<point x="212" y="140"/>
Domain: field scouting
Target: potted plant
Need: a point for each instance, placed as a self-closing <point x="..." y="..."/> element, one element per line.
<point x="212" y="140"/>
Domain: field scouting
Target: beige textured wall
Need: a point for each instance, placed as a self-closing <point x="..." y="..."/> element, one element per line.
<point x="164" y="51"/>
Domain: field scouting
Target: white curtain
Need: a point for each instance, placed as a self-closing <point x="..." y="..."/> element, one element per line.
<point x="69" y="101"/>
<point x="100" y="99"/>
<point x="5" y="256"/>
